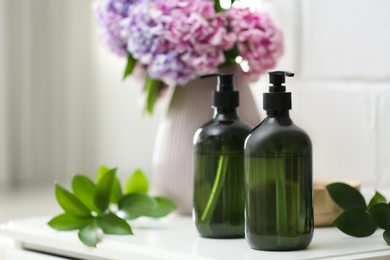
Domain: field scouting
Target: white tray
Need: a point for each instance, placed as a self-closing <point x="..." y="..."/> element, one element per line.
<point x="175" y="237"/>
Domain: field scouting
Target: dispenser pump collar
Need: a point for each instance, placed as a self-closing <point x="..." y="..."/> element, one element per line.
<point x="224" y="95"/>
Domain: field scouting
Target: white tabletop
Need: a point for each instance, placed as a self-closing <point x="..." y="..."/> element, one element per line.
<point x="175" y="237"/>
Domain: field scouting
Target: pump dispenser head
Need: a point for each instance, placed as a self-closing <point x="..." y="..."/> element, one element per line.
<point x="224" y="95"/>
<point x="277" y="98"/>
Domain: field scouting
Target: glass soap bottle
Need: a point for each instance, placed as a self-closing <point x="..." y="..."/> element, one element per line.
<point x="219" y="166"/>
<point x="278" y="176"/>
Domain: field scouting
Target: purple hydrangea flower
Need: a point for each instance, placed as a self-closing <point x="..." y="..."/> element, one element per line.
<point x="259" y="40"/>
<point x="177" y="39"/>
<point x="109" y="15"/>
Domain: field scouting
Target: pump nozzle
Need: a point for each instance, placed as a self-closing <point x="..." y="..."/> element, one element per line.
<point x="277" y="98"/>
<point x="279" y="77"/>
<point x="225" y="81"/>
<point x="224" y="96"/>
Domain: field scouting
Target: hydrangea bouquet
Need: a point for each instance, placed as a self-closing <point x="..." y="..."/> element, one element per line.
<point x="170" y="42"/>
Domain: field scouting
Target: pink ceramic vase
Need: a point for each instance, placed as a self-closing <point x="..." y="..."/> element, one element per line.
<point x="190" y="108"/>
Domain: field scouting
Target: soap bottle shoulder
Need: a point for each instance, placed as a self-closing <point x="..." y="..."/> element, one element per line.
<point x="222" y="127"/>
<point x="282" y="131"/>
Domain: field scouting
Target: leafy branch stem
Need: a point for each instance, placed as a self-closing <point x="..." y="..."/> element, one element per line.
<point x="216" y="189"/>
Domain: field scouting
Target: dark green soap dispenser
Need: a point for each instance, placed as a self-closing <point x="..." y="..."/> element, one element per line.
<point x="278" y="177"/>
<point x="219" y="166"/>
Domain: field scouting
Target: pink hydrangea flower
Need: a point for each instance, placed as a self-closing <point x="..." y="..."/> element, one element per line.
<point x="178" y="40"/>
<point x="259" y="40"/>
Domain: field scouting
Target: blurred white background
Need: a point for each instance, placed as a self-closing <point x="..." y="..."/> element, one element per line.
<point x="65" y="109"/>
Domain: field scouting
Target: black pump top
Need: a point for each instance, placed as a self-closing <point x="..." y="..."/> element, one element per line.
<point x="225" y="95"/>
<point x="277" y="98"/>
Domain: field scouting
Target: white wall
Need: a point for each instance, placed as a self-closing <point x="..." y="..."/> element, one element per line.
<point x="341" y="92"/>
<point x="64" y="107"/>
<point x="3" y="102"/>
<point x="125" y="137"/>
<point x="43" y="43"/>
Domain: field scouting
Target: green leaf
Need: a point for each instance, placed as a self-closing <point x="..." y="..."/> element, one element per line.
<point x="380" y="214"/>
<point x="131" y="62"/>
<point x="217" y="6"/>
<point x="103" y="190"/>
<point x="135" y="205"/>
<point x="230" y="57"/>
<point x="114" y="225"/>
<point x="101" y="171"/>
<point x="378" y="198"/>
<point x="164" y="207"/>
<point x="137" y="183"/>
<point x="70" y="203"/>
<point x="386" y="236"/>
<point x="84" y="189"/>
<point x="355" y="222"/>
<point x="346" y="196"/>
<point x="152" y="90"/>
<point x="116" y="192"/>
<point x="68" y="222"/>
<point x="89" y="234"/>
